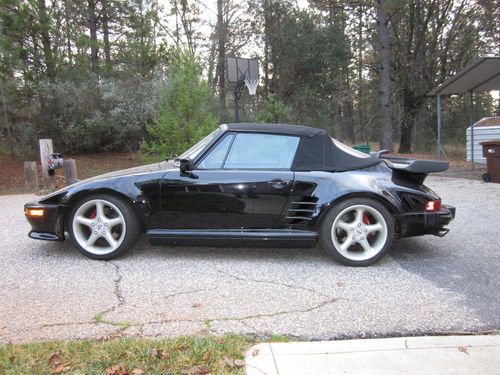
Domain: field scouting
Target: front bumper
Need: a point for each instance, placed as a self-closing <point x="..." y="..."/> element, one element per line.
<point x="49" y="226"/>
<point x="419" y="223"/>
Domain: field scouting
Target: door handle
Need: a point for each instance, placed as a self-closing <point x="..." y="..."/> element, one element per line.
<point x="279" y="184"/>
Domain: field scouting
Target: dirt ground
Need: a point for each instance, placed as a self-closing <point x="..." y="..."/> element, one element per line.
<point x="12" y="173"/>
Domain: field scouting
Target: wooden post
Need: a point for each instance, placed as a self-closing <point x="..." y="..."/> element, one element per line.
<point x="69" y="171"/>
<point x="46" y="149"/>
<point x="31" y="176"/>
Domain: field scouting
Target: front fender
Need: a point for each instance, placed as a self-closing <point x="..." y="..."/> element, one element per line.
<point x="142" y="192"/>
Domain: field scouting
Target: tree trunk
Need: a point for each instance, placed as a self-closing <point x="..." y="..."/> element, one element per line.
<point x="266" y="47"/>
<point x="68" y="32"/>
<point x="221" y="36"/>
<point x="46" y="41"/>
<point x="384" y="77"/>
<point x="405" y="141"/>
<point x="349" y="113"/>
<point x="94" y="47"/>
<point x="6" y="120"/>
<point x="105" y="33"/>
<point x="186" y="25"/>
<point x="361" y="101"/>
<point x="212" y="65"/>
<point x="338" y="131"/>
<point x="409" y="113"/>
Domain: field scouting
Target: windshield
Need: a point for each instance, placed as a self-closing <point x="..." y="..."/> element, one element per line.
<point x="195" y="150"/>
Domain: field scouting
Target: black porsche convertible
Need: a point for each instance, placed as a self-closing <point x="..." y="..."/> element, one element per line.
<point x="251" y="185"/>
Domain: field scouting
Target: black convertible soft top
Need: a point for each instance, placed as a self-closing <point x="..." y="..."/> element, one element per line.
<point x="317" y="151"/>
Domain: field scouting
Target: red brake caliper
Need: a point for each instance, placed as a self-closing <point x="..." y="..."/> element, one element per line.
<point x="366" y="221"/>
<point x="93" y="214"/>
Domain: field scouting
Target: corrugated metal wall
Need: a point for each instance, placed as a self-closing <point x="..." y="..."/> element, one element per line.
<point x="481" y="134"/>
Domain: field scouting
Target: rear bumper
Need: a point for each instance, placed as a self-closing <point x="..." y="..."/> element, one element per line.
<point x="419" y="223"/>
<point x="48" y="227"/>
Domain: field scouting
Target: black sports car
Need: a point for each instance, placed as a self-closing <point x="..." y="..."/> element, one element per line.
<point x="251" y="184"/>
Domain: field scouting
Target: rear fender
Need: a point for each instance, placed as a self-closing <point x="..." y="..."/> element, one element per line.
<point x="388" y="202"/>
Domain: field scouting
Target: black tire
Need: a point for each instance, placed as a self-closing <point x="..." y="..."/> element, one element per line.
<point x="357" y="232"/>
<point x="118" y="226"/>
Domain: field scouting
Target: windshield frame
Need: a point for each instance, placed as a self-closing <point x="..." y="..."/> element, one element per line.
<point x="198" y="148"/>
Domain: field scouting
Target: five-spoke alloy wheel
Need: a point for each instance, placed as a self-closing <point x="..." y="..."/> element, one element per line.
<point x="357" y="232"/>
<point x="103" y="226"/>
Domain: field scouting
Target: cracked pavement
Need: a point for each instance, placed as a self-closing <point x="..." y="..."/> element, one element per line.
<point x="426" y="285"/>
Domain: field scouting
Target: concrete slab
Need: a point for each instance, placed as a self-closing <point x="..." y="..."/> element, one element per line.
<point x="262" y="360"/>
<point x="408" y="355"/>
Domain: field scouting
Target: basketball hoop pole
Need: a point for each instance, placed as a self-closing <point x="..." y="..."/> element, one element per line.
<point x="237" y="96"/>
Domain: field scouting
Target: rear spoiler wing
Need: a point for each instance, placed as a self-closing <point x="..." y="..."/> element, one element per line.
<point x="416" y="166"/>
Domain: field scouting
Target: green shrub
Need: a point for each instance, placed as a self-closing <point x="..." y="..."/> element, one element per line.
<point x="87" y="114"/>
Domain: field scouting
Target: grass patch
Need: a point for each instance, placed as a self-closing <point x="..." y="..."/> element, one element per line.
<point x="278" y="338"/>
<point x="190" y="355"/>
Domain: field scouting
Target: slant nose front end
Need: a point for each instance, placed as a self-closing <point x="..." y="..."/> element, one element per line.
<point x="45" y="221"/>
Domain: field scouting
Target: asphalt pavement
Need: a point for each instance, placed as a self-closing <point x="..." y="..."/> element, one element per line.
<point x="426" y="285"/>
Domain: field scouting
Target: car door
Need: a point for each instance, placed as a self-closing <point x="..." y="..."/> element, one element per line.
<point x="243" y="181"/>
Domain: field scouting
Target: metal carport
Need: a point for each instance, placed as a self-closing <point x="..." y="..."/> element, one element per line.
<point x="480" y="75"/>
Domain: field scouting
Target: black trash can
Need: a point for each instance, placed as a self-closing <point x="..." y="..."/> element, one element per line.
<point x="491" y="151"/>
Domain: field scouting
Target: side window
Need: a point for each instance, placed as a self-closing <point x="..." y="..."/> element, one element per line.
<point x="215" y="158"/>
<point x="262" y="151"/>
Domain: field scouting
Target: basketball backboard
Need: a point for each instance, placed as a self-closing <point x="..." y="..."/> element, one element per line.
<point x="240" y="69"/>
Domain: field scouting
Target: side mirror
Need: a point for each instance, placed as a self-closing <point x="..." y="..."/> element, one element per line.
<point x="186" y="167"/>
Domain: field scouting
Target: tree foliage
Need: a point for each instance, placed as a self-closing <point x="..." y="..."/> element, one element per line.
<point x="99" y="75"/>
<point x="186" y="107"/>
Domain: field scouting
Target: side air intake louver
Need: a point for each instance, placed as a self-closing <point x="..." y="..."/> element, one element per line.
<point x="302" y="210"/>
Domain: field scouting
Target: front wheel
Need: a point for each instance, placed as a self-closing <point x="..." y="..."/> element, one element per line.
<point x="103" y="226"/>
<point x="357" y="232"/>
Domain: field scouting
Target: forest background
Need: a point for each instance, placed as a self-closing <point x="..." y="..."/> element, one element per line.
<point x="114" y="75"/>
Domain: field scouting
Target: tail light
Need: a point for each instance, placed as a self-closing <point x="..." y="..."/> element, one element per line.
<point x="432" y="206"/>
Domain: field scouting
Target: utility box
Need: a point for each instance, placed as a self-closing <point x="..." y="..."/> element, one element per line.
<point x="485" y="130"/>
<point x="491" y="151"/>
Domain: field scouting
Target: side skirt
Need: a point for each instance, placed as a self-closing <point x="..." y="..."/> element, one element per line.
<point x="232" y="237"/>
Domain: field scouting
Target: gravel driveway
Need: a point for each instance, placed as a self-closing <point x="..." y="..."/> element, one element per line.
<point x="427" y="284"/>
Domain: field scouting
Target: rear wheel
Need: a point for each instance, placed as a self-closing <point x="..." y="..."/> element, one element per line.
<point x="103" y="226"/>
<point x="357" y="232"/>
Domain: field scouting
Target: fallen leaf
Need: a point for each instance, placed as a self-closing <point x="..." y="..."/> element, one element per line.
<point x="116" y="370"/>
<point x="165" y="368"/>
<point x="340" y="284"/>
<point x="207" y="356"/>
<point x="219" y="340"/>
<point x="137" y="371"/>
<point x="239" y="363"/>
<point x="197" y="305"/>
<point x="159" y="354"/>
<point x="198" y="370"/>
<point x="255" y="352"/>
<point x="463" y="349"/>
<point x="12" y="358"/>
<point x="55" y="359"/>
